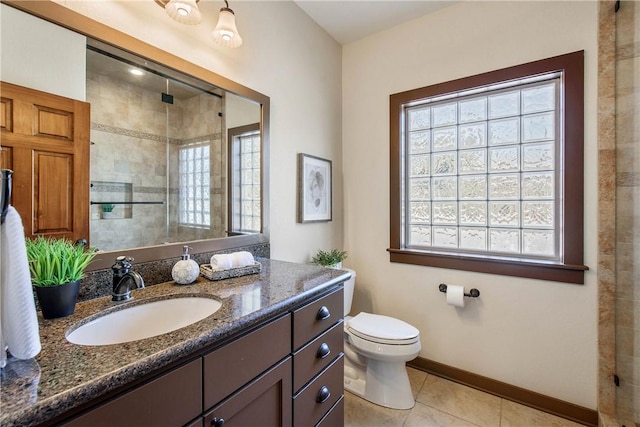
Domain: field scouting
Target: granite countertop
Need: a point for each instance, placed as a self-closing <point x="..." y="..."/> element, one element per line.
<point x="65" y="375"/>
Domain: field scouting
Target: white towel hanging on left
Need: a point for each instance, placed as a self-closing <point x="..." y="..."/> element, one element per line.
<point x="19" y="321"/>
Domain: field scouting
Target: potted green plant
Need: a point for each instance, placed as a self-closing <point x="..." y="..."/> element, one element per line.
<point x="332" y="258"/>
<point x="56" y="267"/>
<point x="107" y="210"/>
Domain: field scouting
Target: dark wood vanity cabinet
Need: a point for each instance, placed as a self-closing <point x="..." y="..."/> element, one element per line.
<point x="264" y="402"/>
<point x="248" y="381"/>
<point x="172" y="399"/>
<point x="318" y="362"/>
<point x="287" y="372"/>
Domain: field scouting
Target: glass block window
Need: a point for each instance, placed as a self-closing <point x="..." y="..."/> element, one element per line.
<point x="482" y="171"/>
<point x="245" y="179"/>
<point x="486" y="172"/>
<point x="194" y="182"/>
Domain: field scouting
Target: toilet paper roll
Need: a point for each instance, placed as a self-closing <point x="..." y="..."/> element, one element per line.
<point x="455" y="295"/>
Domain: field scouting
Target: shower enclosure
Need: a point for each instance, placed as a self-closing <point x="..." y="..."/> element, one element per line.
<point x="157" y="157"/>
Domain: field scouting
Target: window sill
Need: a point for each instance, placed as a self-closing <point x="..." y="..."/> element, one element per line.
<point x="532" y="270"/>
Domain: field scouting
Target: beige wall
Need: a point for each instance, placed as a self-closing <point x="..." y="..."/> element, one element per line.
<point x="534" y="334"/>
<point x="21" y="33"/>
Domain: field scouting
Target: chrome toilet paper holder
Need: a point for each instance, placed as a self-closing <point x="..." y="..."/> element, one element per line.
<point x="473" y="293"/>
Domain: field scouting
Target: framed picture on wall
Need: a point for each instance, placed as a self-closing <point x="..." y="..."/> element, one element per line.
<point x="314" y="189"/>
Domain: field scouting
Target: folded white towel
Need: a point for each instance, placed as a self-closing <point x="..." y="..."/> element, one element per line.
<point x="233" y="260"/>
<point x="242" y="259"/>
<point x="221" y="262"/>
<point x="19" y="321"/>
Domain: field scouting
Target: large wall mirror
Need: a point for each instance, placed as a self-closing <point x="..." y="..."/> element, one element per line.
<point x="162" y="148"/>
<point x="178" y="153"/>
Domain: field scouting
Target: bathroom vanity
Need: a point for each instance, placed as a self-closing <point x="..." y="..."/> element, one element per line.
<point x="272" y="355"/>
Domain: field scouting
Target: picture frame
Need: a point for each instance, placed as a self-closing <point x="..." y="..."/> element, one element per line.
<point x="314" y="189"/>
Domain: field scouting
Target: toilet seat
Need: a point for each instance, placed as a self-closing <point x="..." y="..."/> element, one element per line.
<point x="382" y="329"/>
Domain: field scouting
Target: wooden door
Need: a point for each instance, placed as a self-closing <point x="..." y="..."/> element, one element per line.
<point x="45" y="141"/>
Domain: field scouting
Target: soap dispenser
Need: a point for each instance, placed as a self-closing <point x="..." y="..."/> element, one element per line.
<point x="186" y="270"/>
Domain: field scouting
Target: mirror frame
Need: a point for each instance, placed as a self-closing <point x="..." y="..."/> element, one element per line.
<point x="67" y="18"/>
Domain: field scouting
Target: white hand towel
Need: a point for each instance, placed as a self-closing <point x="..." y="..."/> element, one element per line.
<point x="19" y="321"/>
<point x="242" y="259"/>
<point x="221" y="262"/>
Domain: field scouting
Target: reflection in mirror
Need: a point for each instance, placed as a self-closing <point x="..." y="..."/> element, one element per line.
<point x="176" y="158"/>
<point x="244" y="177"/>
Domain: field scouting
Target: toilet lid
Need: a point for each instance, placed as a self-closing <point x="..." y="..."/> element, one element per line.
<point x="383" y="329"/>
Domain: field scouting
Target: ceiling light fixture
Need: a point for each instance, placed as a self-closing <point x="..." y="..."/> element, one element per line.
<point x="183" y="11"/>
<point x="226" y="33"/>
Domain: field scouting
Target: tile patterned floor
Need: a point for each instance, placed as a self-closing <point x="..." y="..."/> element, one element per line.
<point x="441" y="403"/>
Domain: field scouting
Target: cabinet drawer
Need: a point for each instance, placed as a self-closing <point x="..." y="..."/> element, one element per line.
<point x="172" y="399"/>
<point x="234" y="365"/>
<point x="265" y="402"/>
<point x="335" y="417"/>
<point x="315" y="356"/>
<point x="312" y="319"/>
<point x="315" y="400"/>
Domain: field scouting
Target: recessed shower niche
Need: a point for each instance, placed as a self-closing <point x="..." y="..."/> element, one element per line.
<point x="111" y="197"/>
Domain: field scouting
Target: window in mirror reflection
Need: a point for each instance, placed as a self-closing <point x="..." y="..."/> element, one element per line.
<point x="194" y="186"/>
<point x="244" y="161"/>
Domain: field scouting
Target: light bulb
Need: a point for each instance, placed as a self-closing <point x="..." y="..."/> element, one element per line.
<point x="184" y="11"/>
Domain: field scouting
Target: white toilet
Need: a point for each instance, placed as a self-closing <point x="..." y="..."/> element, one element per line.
<point x="376" y="348"/>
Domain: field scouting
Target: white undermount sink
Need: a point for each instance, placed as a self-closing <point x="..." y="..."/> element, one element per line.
<point x="144" y="320"/>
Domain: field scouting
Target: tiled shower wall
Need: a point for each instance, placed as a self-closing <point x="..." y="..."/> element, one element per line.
<point x="130" y="128"/>
<point x="200" y="123"/>
<point x="628" y="212"/>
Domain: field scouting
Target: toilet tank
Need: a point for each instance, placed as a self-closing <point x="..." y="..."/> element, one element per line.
<point x="349" y="286"/>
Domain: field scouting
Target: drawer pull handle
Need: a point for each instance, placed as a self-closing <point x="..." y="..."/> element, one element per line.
<point x="323" y="394"/>
<point x="217" y="422"/>
<point x="323" y="313"/>
<point x="323" y="351"/>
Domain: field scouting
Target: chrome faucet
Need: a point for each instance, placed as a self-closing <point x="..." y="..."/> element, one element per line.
<point x="122" y="279"/>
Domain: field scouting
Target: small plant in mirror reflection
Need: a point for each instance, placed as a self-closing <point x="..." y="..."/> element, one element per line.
<point x="107" y="207"/>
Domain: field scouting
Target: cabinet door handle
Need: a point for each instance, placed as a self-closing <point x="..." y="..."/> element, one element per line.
<point x="323" y="394"/>
<point x="217" y="422"/>
<point x="323" y="351"/>
<point x="323" y="313"/>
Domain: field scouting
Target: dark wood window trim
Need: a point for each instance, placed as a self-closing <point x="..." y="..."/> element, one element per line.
<point x="571" y="268"/>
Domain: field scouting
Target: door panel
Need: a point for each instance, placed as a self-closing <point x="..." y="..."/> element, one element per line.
<point x="45" y="140"/>
<point x="6" y="115"/>
<point x="50" y="122"/>
<point x="52" y="193"/>
<point x="6" y="158"/>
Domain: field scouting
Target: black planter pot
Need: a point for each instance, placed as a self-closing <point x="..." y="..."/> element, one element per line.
<point x="58" y="301"/>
